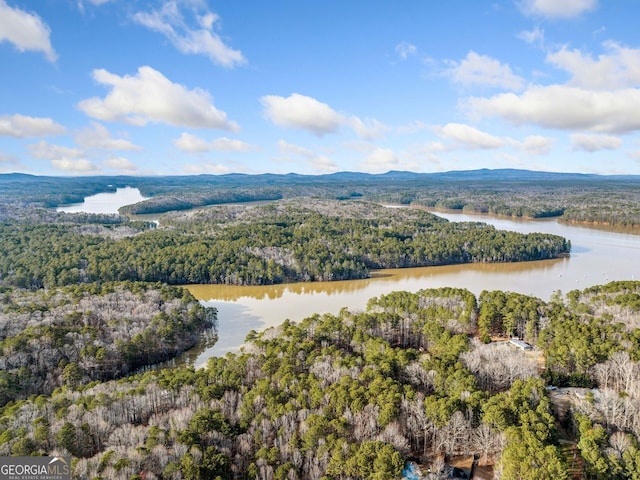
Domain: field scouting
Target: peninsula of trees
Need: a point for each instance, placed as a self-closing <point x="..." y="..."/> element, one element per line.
<point x="255" y="245"/>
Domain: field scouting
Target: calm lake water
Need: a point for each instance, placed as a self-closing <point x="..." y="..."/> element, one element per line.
<point x="597" y="257"/>
<point x="108" y="202"/>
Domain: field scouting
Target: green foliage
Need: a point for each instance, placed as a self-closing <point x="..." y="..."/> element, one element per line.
<point x="261" y="245"/>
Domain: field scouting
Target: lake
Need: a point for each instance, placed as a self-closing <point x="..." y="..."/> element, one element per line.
<point x="108" y="202"/>
<point x="597" y="257"/>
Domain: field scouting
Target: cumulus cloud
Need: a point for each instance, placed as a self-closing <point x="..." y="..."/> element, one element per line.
<point x="618" y="68"/>
<point x="369" y="129"/>
<point x="97" y="136"/>
<point x="470" y="137"/>
<point x="78" y="165"/>
<point x="21" y="126"/>
<point x="300" y="111"/>
<point x="307" y="113"/>
<point x="49" y="151"/>
<point x="151" y="97"/>
<point x="405" y="50"/>
<point x="26" y="31"/>
<point x="563" y="107"/>
<point x="191" y="143"/>
<point x="121" y="164"/>
<point x="482" y="70"/>
<point x="188" y="142"/>
<point x="593" y="142"/>
<point x="557" y="9"/>
<point x="323" y="164"/>
<point x="319" y="163"/>
<point x="205" y="167"/>
<point x="537" y="144"/>
<point x="198" y="39"/>
<point x="381" y="160"/>
<point x="63" y="158"/>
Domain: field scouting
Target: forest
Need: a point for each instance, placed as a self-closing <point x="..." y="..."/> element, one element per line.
<point x="356" y="395"/>
<point x="90" y="305"/>
<point x="288" y="240"/>
<point x="589" y="199"/>
<point x="87" y="332"/>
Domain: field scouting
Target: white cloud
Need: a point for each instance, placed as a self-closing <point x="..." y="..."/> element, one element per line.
<point x="470" y="137"/>
<point x="535" y="36"/>
<point x="563" y="107"/>
<point x="319" y="163"/>
<point x="49" y="151"/>
<point x="482" y="70"/>
<point x="63" y="158"/>
<point x="97" y="136"/>
<point x="593" y="143"/>
<point x="619" y="68"/>
<point x="557" y="8"/>
<point x="300" y="111"/>
<point x="188" y="142"/>
<point x="369" y="129"/>
<point x="150" y="97"/>
<point x="322" y="164"/>
<point x="537" y="144"/>
<point x="79" y="165"/>
<point x="307" y="113"/>
<point x="122" y="165"/>
<point x="191" y="143"/>
<point x="224" y="144"/>
<point x="22" y="126"/>
<point x="26" y="31"/>
<point x="405" y="50"/>
<point x="170" y="22"/>
<point x="205" y="167"/>
<point x="381" y="160"/>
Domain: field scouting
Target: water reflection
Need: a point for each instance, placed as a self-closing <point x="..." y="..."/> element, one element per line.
<point x="379" y="278"/>
<point x="597" y="257"/>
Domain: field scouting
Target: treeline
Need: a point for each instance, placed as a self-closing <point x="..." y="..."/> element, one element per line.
<point x="604" y="200"/>
<point x="191" y="199"/>
<point x="348" y="396"/>
<point x="75" y="335"/>
<point x="264" y="244"/>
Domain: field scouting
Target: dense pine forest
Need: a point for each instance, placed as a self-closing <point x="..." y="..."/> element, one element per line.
<point x="256" y="245"/>
<point x="89" y="302"/>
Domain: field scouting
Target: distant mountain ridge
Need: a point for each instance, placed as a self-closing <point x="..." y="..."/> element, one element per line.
<point x="478" y="174"/>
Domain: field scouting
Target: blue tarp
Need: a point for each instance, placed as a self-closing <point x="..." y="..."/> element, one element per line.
<point x="411" y="472"/>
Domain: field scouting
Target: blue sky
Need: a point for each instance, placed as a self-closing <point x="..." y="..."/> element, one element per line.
<point x="146" y="87"/>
